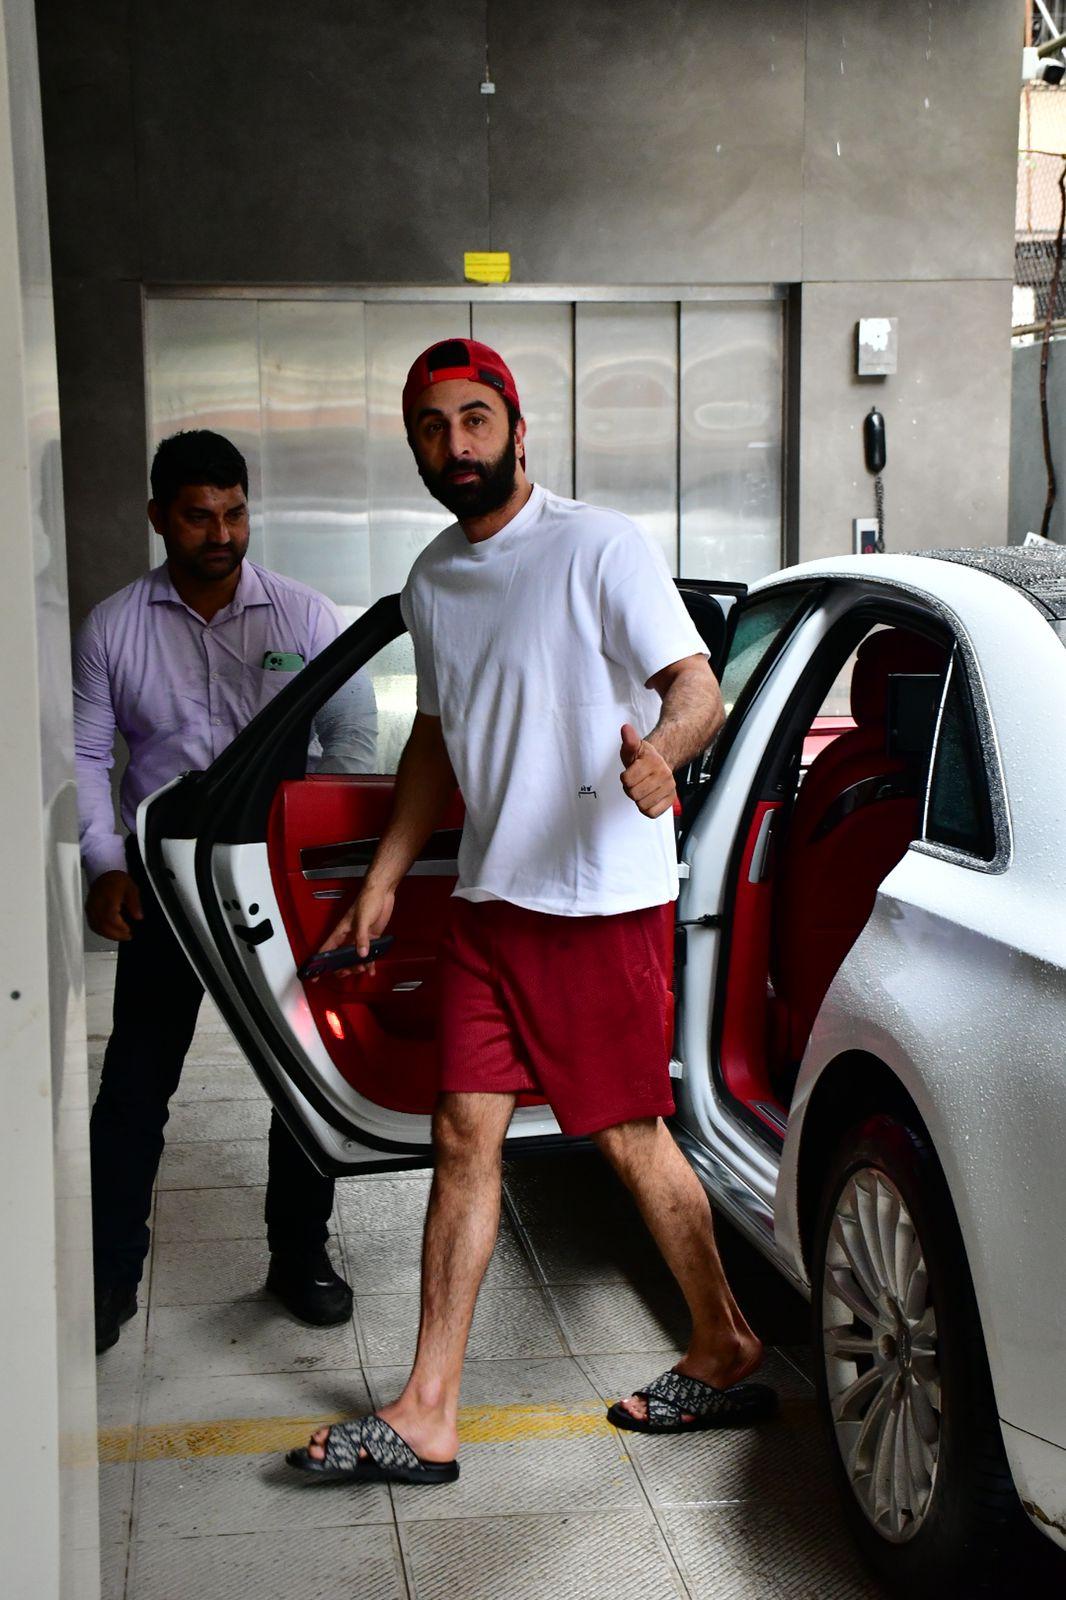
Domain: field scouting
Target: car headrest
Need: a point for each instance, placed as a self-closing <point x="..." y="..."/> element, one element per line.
<point x="879" y="656"/>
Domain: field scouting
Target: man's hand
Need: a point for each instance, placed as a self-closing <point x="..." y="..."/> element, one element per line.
<point x="113" y="900"/>
<point x="646" y="777"/>
<point x="366" y="919"/>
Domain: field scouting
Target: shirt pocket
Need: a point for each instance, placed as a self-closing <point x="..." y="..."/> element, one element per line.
<point x="264" y="686"/>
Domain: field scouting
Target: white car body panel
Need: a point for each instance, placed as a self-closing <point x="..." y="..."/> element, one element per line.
<point x="958" y="984"/>
<point x="1039" y="1471"/>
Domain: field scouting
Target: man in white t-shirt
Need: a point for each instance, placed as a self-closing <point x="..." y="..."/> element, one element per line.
<point x="545" y="632"/>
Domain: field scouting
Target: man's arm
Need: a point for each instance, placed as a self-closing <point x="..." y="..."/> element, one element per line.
<point x="113" y="895"/>
<point x="691" y="715"/>
<point x="425" y="783"/>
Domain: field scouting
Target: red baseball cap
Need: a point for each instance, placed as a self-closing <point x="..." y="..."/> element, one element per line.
<point x="459" y="358"/>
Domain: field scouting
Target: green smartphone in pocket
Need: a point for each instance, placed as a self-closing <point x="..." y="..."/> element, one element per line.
<point x="282" y="661"/>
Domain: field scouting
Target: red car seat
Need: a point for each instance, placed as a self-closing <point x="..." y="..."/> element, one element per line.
<point x="857" y="810"/>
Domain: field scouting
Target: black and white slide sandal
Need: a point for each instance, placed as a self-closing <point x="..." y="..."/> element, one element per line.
<point x="673" y="1396"/>
<point x="388" y="1458"/>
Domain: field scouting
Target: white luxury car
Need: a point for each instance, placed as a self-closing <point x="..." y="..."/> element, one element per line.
<point x="870" y="980"/>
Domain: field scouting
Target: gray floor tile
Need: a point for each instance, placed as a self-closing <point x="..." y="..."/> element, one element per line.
<point x="557" y="1381"/>
<point x="113" y="1560"/>
<point x="774" y="1462"/>
<point x="116" y="1502"/>
<point x="771" y="1552"/>
<point x="195" y="1121"/>
<point x="507" y="1322"/>
<point x="236" y="1494"/>
<point x="614" y="1318"/>
<point x="593" y="1250"/>
<point x="611" y="1553"/>
<point x="218" y="1164"/>
<point x="315" y="1564"/>
<point x="187" y="1215"/>
<point x="801" y="1357"/>
<point x="209" y="1271"/>
<point x="227" y="1077"/>
<point x="389" y="1261"/>
<point x="383" y="1203"/>
<point x="564" y="1188"/>
<point x="119" y="1370"/>
<point x="518" y="1477"/>
<point x="250" y="1337"/>
<point x="300" y="1395"/>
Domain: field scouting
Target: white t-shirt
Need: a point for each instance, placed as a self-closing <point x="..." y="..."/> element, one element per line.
<point x="533" y="647"/>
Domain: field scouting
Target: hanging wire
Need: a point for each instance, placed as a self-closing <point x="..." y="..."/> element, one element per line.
<point x="879" y="510"/>
<point x="1045" y="425"/>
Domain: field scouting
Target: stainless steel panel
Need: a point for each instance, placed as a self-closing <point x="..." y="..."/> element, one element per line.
<point x="312" y="361"/>
<point x="203" y="372"/>
<point x="487" y="293"/>
<point x="537" y="342"/>
<point x="730" y="445"/>
<point x="556" y="292"/>
<point x="403" y="515"/>
<point x="625" y="451"/>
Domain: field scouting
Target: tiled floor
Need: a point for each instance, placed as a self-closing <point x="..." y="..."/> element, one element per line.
<point x="211" y="1382"/>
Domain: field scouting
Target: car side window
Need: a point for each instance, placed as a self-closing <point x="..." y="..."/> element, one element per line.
<point x="959" y="811"/>
<point x="760" y="624"/>
<point x="369" y="727"/>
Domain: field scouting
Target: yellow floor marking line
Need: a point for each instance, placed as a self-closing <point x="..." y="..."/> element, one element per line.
<point x="254" y="1436"/>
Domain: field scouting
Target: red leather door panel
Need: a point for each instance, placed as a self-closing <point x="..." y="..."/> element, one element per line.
<point x="380" y="1036"/>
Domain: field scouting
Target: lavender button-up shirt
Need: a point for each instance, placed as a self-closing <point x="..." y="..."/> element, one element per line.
<point x="179" y="689"/>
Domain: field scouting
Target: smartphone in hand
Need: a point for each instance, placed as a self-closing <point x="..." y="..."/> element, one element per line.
<point x="345" y="956"/>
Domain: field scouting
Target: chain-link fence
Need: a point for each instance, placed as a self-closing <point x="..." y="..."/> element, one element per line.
<point x="1036" y="229"/>
<point x="1041" y="166"/>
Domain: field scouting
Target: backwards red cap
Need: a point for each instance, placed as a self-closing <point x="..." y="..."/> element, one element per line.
<point x="458" y="358"/>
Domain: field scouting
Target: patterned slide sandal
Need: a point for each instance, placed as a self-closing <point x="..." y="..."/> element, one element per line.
<point x="674" y="1396"/>
<point x="388" y="1459"/>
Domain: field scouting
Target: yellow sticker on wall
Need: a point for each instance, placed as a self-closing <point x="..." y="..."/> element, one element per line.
<point x="487" y="266"/>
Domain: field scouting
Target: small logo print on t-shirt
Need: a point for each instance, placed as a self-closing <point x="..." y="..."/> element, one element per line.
<point x="586" y="792"/>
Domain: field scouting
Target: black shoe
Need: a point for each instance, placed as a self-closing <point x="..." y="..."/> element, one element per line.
<point x="115" y="1304"/>
<point x="307" y="1286"/>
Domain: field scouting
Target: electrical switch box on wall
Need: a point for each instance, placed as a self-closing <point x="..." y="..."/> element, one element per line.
<point x="864" y="532"/>
<point x="876" y="346"/>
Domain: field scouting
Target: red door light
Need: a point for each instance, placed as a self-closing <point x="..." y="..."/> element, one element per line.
<point x="335" y="1025"/>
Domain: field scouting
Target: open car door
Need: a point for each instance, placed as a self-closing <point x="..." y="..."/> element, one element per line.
<point x="253" y="862"/>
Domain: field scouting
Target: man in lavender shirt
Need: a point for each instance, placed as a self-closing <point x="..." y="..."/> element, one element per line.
<point x="178" y="663"/>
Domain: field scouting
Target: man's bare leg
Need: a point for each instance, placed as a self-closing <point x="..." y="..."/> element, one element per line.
<point x="723" y="1349"/>
<point x="461" y="1226"/>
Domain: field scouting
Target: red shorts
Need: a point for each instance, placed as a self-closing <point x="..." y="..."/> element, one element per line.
<point x="571" y="1008"/>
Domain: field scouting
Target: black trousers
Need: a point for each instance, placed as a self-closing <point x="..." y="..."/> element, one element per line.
<point x="157" y="999"/>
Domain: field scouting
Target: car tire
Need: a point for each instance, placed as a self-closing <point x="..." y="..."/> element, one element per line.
<point x="905" y="1397"/>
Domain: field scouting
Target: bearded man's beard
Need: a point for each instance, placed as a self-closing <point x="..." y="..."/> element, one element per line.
<point x="491" y="489"/>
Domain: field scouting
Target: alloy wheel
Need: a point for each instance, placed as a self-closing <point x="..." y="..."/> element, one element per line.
<point x="879" y="1344"/>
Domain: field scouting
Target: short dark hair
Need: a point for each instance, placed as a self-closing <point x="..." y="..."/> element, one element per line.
<point x="196" y="456"/>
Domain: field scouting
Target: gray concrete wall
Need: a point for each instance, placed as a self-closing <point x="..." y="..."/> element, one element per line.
<point x="1028" y="474"/>
<point x="866" y="152"/>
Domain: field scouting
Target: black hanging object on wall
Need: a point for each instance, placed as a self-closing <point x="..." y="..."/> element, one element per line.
<point x="875" y="450"/>
<point x="873" y="441"/>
